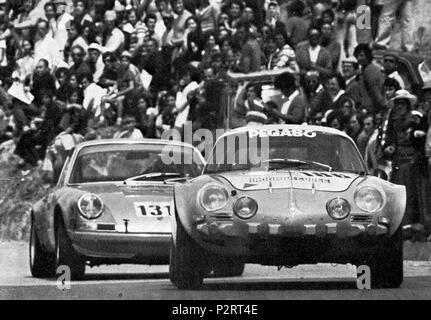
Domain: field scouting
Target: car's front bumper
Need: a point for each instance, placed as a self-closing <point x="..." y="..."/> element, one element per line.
<point x="267" y="236"/>
<point x="151" y="248"/>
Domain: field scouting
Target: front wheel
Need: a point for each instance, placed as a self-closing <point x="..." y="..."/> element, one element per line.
<point x="65" y="255"/>
<point x="187" y="265"/>
<point x="386" y="264"/>
<point x="42" y="263"/>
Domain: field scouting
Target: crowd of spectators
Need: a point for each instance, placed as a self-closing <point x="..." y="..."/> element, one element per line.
<point x="70" y="67"/>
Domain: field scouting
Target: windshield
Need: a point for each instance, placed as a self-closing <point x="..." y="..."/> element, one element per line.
<point x="278" y="149"/>
<point x="120" y="162"/>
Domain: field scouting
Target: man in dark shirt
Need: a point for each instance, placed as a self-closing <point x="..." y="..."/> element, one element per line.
<point x="42" y="81"/>
<point x="79" y="67"/>
<point x="251" y="54"/>
<point x="371" y="80"/>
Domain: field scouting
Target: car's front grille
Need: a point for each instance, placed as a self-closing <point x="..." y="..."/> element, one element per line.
<point x="361" y="218"/>
<point x="222" y="217"/>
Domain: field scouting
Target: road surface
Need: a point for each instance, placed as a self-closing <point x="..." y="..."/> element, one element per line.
<point x="151" y="282"/>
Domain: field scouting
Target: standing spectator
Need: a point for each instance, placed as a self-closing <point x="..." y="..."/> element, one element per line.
<point x="207" y="14"/>
<point x="405" y="144"/>
<point x="80" y="12"/>
<point x="189" y="82"/>
<point x="282" y="55"/>
<point x="296" y="24"/>
<point x="294" y="107"/>
<point x="79" y="67"/>
<point x="114" y="39"/>
<point x="95" y="60"/>
<point x="350" y="71"/>
<point x="366" y="133"/>
<point x="179" y="22"/>
<point x="26" y="63"/>
<point x="93" y="95"/>
<point x="371" y="80"/>
<point x="311" y="56"/>
<point x="273" y="16"/>
<point x="42" y="81"/>
<point x="75" y="38"/>
<point x="251" y="53"/>
<point x="387" y="20"/>
<point x="61" y="24"/>
<point x="235" y="13"/>
<point x="390" y="67"/>
<point x="46" y="47"/>
<point x="329" y="42"/>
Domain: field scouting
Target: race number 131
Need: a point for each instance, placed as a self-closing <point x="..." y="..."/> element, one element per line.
<point x="145" y="209"/>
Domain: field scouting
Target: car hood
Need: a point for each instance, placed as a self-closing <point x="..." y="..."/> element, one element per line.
<point x="297" y="179"/>
<point x="132" y="203"/>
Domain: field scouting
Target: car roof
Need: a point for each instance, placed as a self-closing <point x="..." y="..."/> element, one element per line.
<point x="102" y="142"/>
<point x="286" y="126"/>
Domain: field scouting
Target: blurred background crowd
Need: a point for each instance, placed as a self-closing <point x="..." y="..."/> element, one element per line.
<point x="70" y="68"/>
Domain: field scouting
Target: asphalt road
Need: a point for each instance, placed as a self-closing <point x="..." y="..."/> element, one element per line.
<point x="151" y="282"/>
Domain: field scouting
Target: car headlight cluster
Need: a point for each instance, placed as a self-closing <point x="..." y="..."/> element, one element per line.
<point x="338" y="208"/>
<point x="245" y="208"/>
<point x="213" y="197"/>
<point x="90" y="206"/>
<point x="368" y="199"/>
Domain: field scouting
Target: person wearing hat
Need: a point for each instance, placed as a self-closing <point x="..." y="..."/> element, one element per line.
<point x="405" y="146"/>
<point x="95" y="60"/>
<point x="390" y="67"/>
<point x="114" y="40"/>
<point x="350" y="72"/>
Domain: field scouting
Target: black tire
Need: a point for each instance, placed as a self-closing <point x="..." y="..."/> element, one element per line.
<point x="229" y="267"/>
<point x="42" y="263"/>
<point x="386" y="264"/>
<point x="187" y="264"/>
<point x="65" y="255"/>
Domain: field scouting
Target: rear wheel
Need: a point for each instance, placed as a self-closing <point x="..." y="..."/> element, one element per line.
<point x="229" y="267"/>
<point x="42" y="263"/>
<point x="386" y="264"/>
<point x="65" y="255"/>
<point x="187" y="265"/>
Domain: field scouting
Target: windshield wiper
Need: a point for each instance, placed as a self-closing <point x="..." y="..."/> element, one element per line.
<point x="298" y="163"/>
<point x="154" y="175"/>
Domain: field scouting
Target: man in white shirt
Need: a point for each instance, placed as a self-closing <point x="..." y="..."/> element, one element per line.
<point x="62" y="23"/>
<point x="93" y="95"/>
<point x="95" y="60"/>
<point x="114" y="41"/>
<point x="46" y="47"/>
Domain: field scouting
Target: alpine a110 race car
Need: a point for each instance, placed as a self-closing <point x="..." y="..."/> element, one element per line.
<point x="113" y="204"/>
<point x="284" y="195"/>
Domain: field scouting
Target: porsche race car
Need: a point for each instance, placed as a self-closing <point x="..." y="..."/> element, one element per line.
<point x="284" y="195"/>
<point x="112" y="204"/>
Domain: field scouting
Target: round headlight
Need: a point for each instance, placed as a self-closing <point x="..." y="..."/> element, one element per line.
<point x="245" y="208"/>
<point x="368" y="199"/>
<point x="90" y="206"/>
<point x="213" y="197"/>
<point x="338" y="208"/>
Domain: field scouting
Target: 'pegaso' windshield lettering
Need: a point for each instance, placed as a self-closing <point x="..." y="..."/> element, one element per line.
<point x="297" y="133"/>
